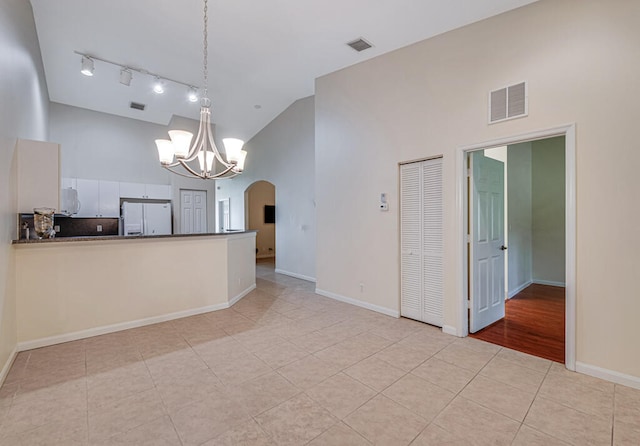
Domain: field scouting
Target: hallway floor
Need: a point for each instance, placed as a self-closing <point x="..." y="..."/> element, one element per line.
<point x="285" y="366"/>
<point x="533" y="323"/>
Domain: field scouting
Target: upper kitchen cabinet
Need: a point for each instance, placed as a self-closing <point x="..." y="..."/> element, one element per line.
<point x="148" y="191"/>
<point x="38" y="175"/>
<point x="98" y="198"/>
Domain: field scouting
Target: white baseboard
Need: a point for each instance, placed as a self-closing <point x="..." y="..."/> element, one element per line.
<point x="549" y="282"/>
<point x="106" y="329"/>
<point x="359" y="303"/>
<point x="296" y="275"/>
<point x="7" y="365"/>
<point x="450" y="330"/>
<point x="518" y="289"/>
<point x="235" y="299"/>
<point x="609" y="375"/>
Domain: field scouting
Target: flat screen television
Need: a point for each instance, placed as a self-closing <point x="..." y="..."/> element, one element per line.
<point x="269" y="213"/>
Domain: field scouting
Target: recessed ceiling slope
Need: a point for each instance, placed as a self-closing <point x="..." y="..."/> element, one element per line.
<point x="263" y="52"/>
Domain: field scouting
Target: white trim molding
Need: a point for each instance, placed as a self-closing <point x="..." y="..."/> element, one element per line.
<point x="359" y="303"/>
<point x="106" y="329"/>
<point x="569" y="132"/>
<point x="518" y="289"/>
<point x="450" y="330"/>
<point x="296" y="275"/>
<point x="549" y="282"/>
<point x="609" y="375"/>
<point x="7" y="365"/>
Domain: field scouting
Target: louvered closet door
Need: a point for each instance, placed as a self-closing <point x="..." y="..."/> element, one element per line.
<point x="421" y="241"/>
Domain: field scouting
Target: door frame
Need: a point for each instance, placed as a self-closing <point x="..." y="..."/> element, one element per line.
<point x="569" y="132"/>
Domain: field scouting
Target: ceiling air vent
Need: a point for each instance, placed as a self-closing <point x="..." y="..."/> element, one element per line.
<point x="137" y="106"/>
<point x="359" y="45"/>
<point x="508" y="103"/>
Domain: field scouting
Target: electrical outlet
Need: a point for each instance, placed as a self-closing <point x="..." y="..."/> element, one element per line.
<point x="361" y="287"/>
<point x="99" y="228"/>
<point x="56" y="228"/>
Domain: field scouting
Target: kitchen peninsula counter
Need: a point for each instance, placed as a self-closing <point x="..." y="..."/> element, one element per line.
<point x="94" y="238"/>
<point x="75" y="287"/>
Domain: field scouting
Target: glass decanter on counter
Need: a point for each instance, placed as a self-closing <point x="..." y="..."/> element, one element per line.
<point x="43" y="222"/>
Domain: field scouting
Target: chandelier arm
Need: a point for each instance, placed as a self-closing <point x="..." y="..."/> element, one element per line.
<point x="183" y="174"/>
<point x="197" y="143"/>
<point x="216" y="152"/>
<point x="184" y="164"/>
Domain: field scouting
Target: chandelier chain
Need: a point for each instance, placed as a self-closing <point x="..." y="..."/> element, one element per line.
<point x="205" y="50"/>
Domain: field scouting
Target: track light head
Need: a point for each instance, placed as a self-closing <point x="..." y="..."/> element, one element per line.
<point x="125" y="76"/>
<point x="193" y="94"/>
<point x="158" y="86"/>
<point x="87" y="66"/>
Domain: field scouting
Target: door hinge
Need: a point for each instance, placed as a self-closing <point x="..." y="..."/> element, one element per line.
<point x="469" y="303"/>
<point x="468" y="172"/>
<point x="468" y="238"/>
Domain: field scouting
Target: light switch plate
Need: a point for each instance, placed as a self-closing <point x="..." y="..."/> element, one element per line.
<point x="99" y="228"/>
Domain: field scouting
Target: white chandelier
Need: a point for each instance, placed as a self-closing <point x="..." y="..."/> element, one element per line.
<point x="178" y="152"/>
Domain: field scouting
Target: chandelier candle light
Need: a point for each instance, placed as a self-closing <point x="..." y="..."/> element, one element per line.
<point x="176" y="152"/>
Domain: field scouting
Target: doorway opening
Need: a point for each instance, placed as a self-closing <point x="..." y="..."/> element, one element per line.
<point x="517" y="222"/>
<point x="260" y="215"/>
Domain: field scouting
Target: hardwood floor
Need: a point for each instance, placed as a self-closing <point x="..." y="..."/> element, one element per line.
<point x="534" y="323"/>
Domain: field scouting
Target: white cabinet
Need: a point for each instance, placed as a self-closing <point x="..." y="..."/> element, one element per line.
<point x="38" y="175"/>
<point x="109" y="199"/>
<point x="98" y="198"/>
<point x="132" y="190"/>
<point x="149" y="191"/>
<point x="158" y="191"/>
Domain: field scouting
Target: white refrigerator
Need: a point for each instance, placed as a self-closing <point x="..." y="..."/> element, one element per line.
<point x="146" y="218"/>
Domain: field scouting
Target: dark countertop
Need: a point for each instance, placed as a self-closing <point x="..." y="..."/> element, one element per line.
<point x="122" y="237"/>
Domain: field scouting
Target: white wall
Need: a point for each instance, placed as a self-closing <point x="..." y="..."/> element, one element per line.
<point x="519" y="216"/>
<point x="283" y="154"/>
<point x="23" y="114"/>
<point x="547" y="211"/>
<point x="259" y="194"/>
<point x="100" y="146"/>
<point x="431" y="98"/>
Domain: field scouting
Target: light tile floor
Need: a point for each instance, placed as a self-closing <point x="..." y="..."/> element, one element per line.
<point x="285" y="366"/>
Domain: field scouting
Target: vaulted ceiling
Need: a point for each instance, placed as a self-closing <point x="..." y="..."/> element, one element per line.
<point x="263" y="54"/>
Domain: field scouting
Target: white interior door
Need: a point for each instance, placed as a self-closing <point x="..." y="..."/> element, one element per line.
<point x="486" y="231"/>
<point x="421" y="241"/>
<point x="193" y="211"/>
<point x="223" y="214"/>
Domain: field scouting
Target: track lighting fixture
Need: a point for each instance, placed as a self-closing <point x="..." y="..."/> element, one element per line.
<point x="125" y="76"/>
<point x="193" y="94"/>
<point x="87" y="66"/>
<point x="158" y="86"/>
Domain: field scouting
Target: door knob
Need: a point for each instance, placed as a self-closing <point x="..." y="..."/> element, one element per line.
<point x="503" y="248"/>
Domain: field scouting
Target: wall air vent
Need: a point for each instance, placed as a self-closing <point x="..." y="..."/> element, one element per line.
<point x="359" y="44"/>
<point x="508" y="103"/>
<point x="137" y="106"/>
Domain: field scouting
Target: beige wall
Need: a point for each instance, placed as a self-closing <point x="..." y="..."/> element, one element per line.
<point x="519" y="216"/>
<point x="430" y="98"/>
<point x="547" y="210"/>
<point x="259" y="194"/>
<point x="283" y="154"/>
<point x="22" y="115"/>
<point x="77" y="289"/>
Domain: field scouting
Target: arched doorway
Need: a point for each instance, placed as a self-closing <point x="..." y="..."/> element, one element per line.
<point x="260" y="200"/>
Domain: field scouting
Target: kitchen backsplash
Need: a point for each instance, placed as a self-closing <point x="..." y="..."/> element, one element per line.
<point x="72" y="227"/>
